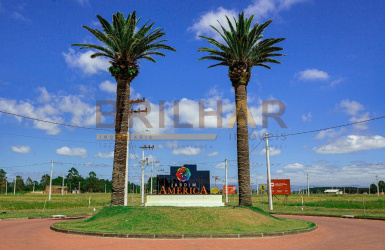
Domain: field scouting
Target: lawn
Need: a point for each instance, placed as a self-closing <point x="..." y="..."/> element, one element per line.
<point x="32" y="205"/>
<point x="183" y="221"/>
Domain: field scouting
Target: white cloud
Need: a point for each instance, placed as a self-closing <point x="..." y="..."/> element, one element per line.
<point x="202" y="26"/>
<point x="84" y="61"/>
<point x="21" y="149"/>
<point x="75" y="152"/>
<point x="213" y="154"/>
<point x="261" y="9"/>
<point x="330" y="133"/>
<point x="295" y="166"/>
<point x="272" y="151"/>
<point x="104" y="155"/>
<point x="20" y="17"/>
<point x="351" y="107"/>
<point x="44" y="95"/>
<point x="307" y="117"/>
<point x="312" y="75"/>
<point x="82" y="2"/>
<point x="220" y="166"/>
<point x="351" y="143"/>
<point x="108" y="86"/>
<point x="186" y="151"/>
<point x="354" y="109"/>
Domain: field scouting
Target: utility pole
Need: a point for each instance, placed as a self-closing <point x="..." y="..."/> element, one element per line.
<point x="6" y="187"/>
<point x="50" y="182"/>
<point x="227" y="195"/>
<point x="128" y="147"/>
<point x="378" y="187"/>
<point x="268" y="173"/>
<point x="152" y="170"/>
<point x="308" y="193"/>
<point x="144" y="162"/>
<point x="256" y="181"/>
<point x="79" y="187"/>
<point x="33" y="190"/>
<point x="215" y="180"/>
<point x="105" y="188"/>
<point x="14" y="187"/>
<point x="62" y="187"/>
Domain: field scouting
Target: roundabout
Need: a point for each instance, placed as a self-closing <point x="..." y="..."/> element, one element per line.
<point x="332" y="233"/>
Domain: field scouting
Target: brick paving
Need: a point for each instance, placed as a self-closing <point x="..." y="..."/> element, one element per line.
<point x="333" y="233"/>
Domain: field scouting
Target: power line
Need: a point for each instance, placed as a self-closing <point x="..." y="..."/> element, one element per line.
<point x="339" y="126"/>
<point x="50" y="122"/>
<point x="47" y="138"/>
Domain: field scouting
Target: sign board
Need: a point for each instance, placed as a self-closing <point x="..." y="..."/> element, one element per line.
<point x="184" y="179"/>
<point x="214" y="190"/>
<point x="262" y="188"/>
<point x="230" y="189"/>
<point x="280" y="187"/>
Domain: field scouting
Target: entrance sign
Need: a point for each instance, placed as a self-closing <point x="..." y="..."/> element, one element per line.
<point x="186" y="180"/>
<point x="262" y="188"/>
<point x="280" y="187"/>
<point x="230" y="189"/>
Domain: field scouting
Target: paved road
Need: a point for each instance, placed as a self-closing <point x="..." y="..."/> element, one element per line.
<point x="333" y="233"/>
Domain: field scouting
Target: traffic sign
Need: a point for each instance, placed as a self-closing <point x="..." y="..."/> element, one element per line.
<point x="262" y="188"/>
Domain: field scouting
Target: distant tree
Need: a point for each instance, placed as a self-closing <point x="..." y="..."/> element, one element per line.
<point x="3" y="179"/>
<point x="44" y="182"/>
<point x="92" y="182"/>
<point x="73" y="179"/>
<point x="29" y="184"/>
<point x="373" y="188"/>
<point x="19" y="183"/>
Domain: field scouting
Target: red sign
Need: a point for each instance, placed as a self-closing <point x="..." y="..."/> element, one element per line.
<point x="230" y="189"/>
<point x="280" y="187"/>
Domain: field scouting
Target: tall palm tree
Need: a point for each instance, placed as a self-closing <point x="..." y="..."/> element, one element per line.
<point x="124" y="46"/>
<point x="241" y="51"/>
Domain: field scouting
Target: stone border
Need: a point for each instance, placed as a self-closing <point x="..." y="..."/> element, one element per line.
<point x="190" y="236"/>
<point x="332" y="216"/>
<point x="44" y="217"/>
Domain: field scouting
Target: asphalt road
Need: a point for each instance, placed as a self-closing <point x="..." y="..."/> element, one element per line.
<point x="333" y="233"/>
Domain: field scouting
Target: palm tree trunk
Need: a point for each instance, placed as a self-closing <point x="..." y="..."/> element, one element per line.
<point x="242" y="145"/>
<point x="121" y="133"/>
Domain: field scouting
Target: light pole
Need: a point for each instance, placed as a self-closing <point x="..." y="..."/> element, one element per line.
<point x="127" y="163"/>
<point x="50" y="182"/>
<point x="14" y="187"/>
<point x="157" y="179"/>
<point x="378" y="186"/>
<point x="308" y="193"/>
<point x="62" y="187"/>
<point x="152" y="169"/>
<point x="227" y="195"/>
<point x="144" y="162"/>
<point x="268" y="172"/>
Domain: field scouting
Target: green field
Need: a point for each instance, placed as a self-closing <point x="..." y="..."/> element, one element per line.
<point x="183" y="221"/>
<point x="32" y="205"/>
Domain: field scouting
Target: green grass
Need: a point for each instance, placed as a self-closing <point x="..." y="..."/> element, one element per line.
<point x="183" y="221"/>
<point x="31" y="205"/>
<point x="322" y="204"/>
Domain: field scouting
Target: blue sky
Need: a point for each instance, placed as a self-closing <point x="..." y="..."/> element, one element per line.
<point x="332" y="75"/>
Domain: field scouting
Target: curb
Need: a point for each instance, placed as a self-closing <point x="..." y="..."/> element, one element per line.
<point x="44" y="217"/>
<point x="190" y="236"/>
<point x="332" y="216"/>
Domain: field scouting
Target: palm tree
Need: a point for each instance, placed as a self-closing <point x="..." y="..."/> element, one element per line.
<point x="242" y="50"/>
<point x="124" y="46"/>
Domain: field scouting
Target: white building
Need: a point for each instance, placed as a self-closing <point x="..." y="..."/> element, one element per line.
<point x="333" y="191"/>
